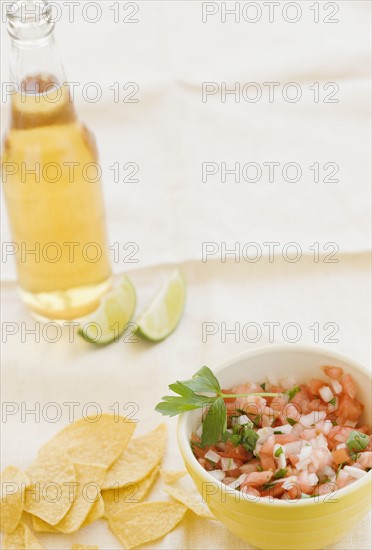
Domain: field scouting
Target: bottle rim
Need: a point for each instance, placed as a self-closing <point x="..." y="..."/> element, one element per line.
<point x="26" y="14"/>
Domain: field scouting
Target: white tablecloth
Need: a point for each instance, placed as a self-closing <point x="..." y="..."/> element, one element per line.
<point x="170" y="212"/>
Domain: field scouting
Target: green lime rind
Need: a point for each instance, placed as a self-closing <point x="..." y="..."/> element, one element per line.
<point x="112" y="316"/>
<point x="164" y="313"/>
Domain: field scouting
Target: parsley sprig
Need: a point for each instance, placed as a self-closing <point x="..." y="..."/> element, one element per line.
<point x="191" y="394"/>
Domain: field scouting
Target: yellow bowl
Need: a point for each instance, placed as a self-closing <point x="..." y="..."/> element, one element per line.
<point x="278" y="524"/>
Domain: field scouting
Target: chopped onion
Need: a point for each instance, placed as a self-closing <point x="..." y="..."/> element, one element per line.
<point x="321" y="442"/>
<point x="264" y="434"/>
<point x="288" y="383"/>
<point x="218" y="474"/>
<point x="211" y="455"/>
<point x="228" y="464"/>
<point x="199" y="431"/>
<point x="328" y="471"/>
<point x="285" y="429"/>
<point x="234" y="484"/>
<point x="336" y="386"/>
<point x="305" y="453"/>
<point x="313" y="479"/>
<point x="312" y="418"/>
<point x="327" y="427"/>
<point x="355" y="472"/>
<point x="326" y="394"/>
<point x="242" y="419"/>
<point x="292" y="448"/>
<point x="288" y="483"/>
<point x="341" y="446"/>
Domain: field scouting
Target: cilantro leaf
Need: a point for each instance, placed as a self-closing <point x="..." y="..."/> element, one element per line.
<point x="357" y="441"/>
<point x="215" y="423"/>
<point x="278" y="452"/>
<point x="333" y="401"/>
<point x="203" y="381"/>
<point x="280" y="473"/>
<point x="291" y="421"/>
<point x="292" y="392"/>
<point x="176" y="406"/>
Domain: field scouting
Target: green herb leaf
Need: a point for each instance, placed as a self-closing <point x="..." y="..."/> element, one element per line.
<point x="278" y="452"/>
<point x="278" y="433"/>
<point x="263" y="386"/>
<point x="203" y="381"/>
<point x="280" y="473"/>
<point x="249" y="439"/>
<point x="267" y="486"/>
<point x="357" y="441"/>
<point x="292" y="392"/>
<point x="291" y="421"/>
<point x="333" y="401"/>
<point x="215" y="423"/>
<point x="176" y="406"/>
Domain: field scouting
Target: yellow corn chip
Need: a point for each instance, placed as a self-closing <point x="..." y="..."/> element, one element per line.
<point x="186" y="495"/>
<point x="83" y="547"/>
<point x="50" y="495"/>
<point x="171" y="476"/>
<point x="21" y="539"/>
<point x="116" y="500"/>
<point x="140" y="457"/>
<point x="93" y="440"/>
<point x="145" y="522"/>
<point x="97" y="512"/>
<point x="13" y="483"/>
<point x="41" y="526"/>
<point x="89" y="478"/>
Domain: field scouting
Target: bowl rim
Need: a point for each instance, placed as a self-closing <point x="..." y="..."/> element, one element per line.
<point x="185" y="447"/>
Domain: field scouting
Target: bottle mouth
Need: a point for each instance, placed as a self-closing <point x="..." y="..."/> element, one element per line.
<point x="29" y="20"/>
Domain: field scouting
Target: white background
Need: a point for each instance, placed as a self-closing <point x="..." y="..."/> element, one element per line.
<point x="170" y="212"/>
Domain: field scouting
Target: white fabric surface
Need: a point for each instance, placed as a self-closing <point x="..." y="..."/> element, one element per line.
<point x="170" y="212"/>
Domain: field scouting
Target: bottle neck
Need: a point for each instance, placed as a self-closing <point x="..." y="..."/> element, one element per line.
<point x="42" y="98"/>
<point x="33" y="48"/>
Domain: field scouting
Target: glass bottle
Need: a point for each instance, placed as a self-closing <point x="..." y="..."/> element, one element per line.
<point x="50" y="168"/>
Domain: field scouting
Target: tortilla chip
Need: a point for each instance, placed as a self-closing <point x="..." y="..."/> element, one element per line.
<point x="83" y="547"/>
<point x="52" y="479"/>
<point x="116" y="500"/>
<point x="141" y="456"/>
<point x="185" y="493"/>
<point x="97" y="512"/>
<point x="21" y="539"/>
<point x="41" y="526"/>
<point x="145" y="522"/>
<point x="171" y="476"/>
<point x="13" y="483"/>
<point x="93" y="441"/>
<point x="89" y="477"/>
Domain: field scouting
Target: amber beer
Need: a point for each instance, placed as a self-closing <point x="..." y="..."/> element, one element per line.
<point x="52" y="187"/>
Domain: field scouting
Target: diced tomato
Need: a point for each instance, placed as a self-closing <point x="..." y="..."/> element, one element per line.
<point x="266" y="454"/>
<point x="340" y="456"/>
<point x="233" y="473"/>
<point x="315" y="386"/>
<point x="206" y="465"/>
<point x="282" y="439"/>
<point x="256" y="479"/>
<point x="333" y="372"/>
<point x="293" y="459"/>
<point x="250" y="491"/>
<point x="276" y="491"/>
<point x="237" y="452"/>
<point x="348" y="409"/>
<point x="349" y="386"/>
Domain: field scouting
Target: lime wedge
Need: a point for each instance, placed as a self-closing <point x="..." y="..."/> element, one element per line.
<point x="111" y="318"/>
<point x="163" y="314"/>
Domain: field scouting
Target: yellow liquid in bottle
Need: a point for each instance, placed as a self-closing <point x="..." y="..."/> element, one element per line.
<point x="55" y="206"/>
